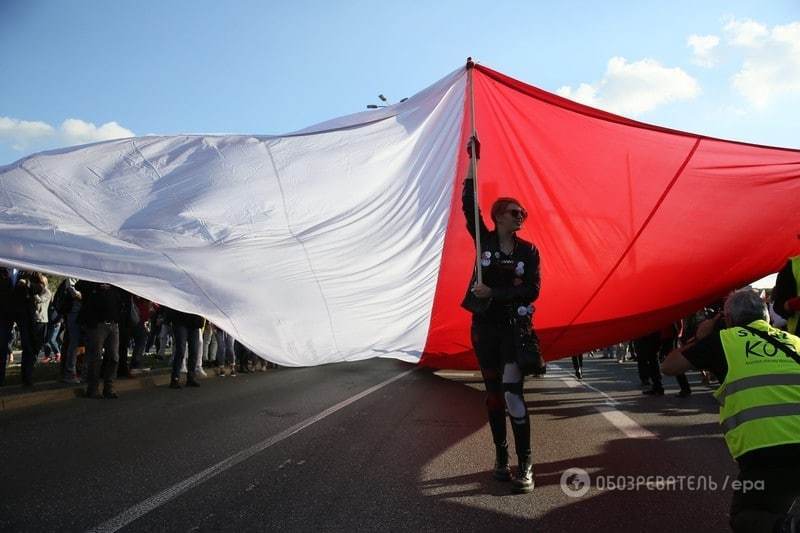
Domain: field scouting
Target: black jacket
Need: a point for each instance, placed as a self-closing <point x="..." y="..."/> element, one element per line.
<point x="515" y="279"/>
<point x="101" y="302"/>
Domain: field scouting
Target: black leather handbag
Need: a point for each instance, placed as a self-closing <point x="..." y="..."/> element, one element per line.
<point x="475" y="305"/>
<point x="472" y="303"/>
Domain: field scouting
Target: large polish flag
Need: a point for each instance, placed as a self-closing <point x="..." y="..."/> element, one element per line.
<point x="345" y="241"/>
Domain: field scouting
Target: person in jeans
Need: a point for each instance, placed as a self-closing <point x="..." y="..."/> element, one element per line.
<point x="52" y="350"/>
<point x="144" y="309"/>
<point x="31" y="298"/>
<point x="209" y="343"/>
<point x="226" y="353"/>
<point x="71" y="307"/>
<point x="100" y="315"/>
<point x="186" y="331"/>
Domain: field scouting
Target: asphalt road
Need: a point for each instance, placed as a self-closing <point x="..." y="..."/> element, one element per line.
<point x="293" y="450"/>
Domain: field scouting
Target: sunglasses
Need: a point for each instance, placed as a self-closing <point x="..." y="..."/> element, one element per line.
<point x="518" y="213"/>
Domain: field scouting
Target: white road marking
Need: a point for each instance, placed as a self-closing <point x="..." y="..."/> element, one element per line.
<point x="617" y="418"/>
<point x="457" y="374"/>
<point x="144" y="507"/>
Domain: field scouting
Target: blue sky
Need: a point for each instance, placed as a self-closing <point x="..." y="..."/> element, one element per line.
<point x="79" y="71"/>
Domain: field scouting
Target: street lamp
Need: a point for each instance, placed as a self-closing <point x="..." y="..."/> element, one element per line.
<point x="385" y="104"/>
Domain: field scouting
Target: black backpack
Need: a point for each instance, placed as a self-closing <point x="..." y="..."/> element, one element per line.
<point x="62" y="301"/>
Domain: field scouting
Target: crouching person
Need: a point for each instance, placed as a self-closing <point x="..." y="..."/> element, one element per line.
<point x="759" y="396"/>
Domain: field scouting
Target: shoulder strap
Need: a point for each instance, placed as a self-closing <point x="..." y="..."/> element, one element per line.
<point x="788" y="350"/>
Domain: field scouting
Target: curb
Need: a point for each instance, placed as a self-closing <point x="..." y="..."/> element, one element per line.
<point x="21" y="398"/>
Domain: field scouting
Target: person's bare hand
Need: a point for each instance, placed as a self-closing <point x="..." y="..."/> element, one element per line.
<point x="481" y="291"/>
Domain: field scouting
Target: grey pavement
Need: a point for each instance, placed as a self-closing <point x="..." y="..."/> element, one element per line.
<point x="413" y="455"/>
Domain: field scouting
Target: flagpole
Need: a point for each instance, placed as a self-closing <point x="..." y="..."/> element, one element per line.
<point x="474" y="164"/>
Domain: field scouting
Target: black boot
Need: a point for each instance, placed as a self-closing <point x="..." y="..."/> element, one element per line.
<point x="92" y="392"/>
<point x="502" y="471"/>
<point x="174" y="383"/>
<point x="523" y="481"/>
<point x="191" y="381"/>
<point x="108" y="392"/>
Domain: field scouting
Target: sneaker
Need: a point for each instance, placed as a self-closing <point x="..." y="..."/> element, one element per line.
<point x="71" y="380"/>
<point x="523" y="481"/>
<point x="192" y="383"/>
<point x="579" y="374"/>
<point x="221" y="371"/>
<point x="653" y="391"/>
<point x="201" y="372"/>
<point x="174" y="384"/>
<point x="233" y="371"/>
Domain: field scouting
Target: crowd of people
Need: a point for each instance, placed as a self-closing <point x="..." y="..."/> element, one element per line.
<point x="97" y="332"/>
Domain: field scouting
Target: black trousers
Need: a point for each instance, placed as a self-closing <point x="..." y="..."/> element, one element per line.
<point x="647" y="362"/>
<point x="102" y="341"/>
<point x="763" y="508"/>
<point x="125" y="334"/>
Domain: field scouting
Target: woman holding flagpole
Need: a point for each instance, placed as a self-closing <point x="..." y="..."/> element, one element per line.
<point x="505" y="283"/>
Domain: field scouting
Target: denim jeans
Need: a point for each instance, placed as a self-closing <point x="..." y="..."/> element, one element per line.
<point x="184" y="336"/>
<point x="51" y="339"/>
<point x="225" y="351"/>
<point x="73" y="341"/>
<point x="209" y="344"/>
<point x="139" y="342"/>
<point x="163" y="337"/>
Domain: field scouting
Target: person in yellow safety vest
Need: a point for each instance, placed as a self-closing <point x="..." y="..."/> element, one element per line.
<point x="759" y="371"/>
<point x="786" y="294"/>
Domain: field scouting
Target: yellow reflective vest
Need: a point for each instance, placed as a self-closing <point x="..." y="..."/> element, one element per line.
<point x="760" y="397"/>
<point x="795" y="318"/>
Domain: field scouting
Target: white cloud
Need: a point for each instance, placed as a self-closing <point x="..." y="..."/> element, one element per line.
<point x="747" y="33"/>
<point x="703" y="47"/>
<point x="24" y="135"/>
<point x="585" y="94"/>
<point x="771" y="65"/>
<point x="635" y="88"/>
<point x="76" y="131"/>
